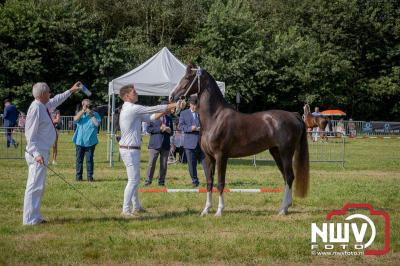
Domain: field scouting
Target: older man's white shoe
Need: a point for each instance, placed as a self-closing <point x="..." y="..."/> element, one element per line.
<point x="127" y="214"/>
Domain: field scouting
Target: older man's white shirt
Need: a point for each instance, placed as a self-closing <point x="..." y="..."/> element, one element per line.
<point x="39" y="129"/>
<point x="40" y="136"/>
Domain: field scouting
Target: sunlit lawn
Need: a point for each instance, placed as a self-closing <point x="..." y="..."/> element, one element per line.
<point x="171" y="232"/>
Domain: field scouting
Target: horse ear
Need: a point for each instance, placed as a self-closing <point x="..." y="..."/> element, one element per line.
<point x="189" y="67"/>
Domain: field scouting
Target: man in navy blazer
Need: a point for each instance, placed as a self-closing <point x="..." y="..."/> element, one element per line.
<point x="160" y="132"/>
<point x="10" y="120"/>
<point x="189" y="123"/>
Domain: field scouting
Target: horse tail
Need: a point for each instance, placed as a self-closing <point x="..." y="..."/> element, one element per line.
<point x="302" y="164"/>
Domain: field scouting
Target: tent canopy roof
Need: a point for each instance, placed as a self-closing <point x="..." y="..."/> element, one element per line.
<point x="158" y="76"/>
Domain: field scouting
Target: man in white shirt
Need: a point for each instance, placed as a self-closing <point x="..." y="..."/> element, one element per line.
<point x="40" y="136"/>
<point x="130" y="120"/>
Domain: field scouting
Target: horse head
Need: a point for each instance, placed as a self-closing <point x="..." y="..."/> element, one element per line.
<point x="186" y="85"/>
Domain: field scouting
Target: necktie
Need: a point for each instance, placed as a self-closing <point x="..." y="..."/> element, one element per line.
<point x="51" y="120"/>
<point x="196" y="119"/>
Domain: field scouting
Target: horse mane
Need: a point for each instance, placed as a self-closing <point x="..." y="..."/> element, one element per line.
<point x="211" y="86"/>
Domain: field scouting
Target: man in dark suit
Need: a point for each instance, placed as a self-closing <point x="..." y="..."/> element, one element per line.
<point x="160" y="131"/>
<point x="189" y="123"/>
<point x="10" y="120"/>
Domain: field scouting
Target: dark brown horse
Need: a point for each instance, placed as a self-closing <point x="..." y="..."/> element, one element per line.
<point x="311" y="121"/>
<point x="226" y="133"/>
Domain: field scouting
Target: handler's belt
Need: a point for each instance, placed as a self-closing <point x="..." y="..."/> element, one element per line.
<point x="129" y="147"/>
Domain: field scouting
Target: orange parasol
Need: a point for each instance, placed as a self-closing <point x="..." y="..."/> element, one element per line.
<point x="333" y="112"/>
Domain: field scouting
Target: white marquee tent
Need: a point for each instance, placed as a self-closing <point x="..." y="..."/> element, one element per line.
<point x="158" y="76"/>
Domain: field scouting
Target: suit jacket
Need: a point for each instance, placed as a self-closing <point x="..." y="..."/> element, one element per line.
<point x="186" y="121"/>
<point x="159" y="139"/>
<point x="10" y="116"/>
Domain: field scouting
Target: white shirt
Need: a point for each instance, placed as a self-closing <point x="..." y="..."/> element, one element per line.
<point x="130" y="121"/>
<point x="40" y="133"/>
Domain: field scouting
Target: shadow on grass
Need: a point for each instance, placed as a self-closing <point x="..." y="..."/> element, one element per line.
<point x="250" y="162"/>
<point x="178" y="214"/>
<point x="111" y="179"/>
<point x="142" y="217"/>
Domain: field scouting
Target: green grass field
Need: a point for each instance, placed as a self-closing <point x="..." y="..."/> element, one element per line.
<point x="171" y="232"/>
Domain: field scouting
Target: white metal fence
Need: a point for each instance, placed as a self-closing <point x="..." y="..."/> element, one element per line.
<point x="67" y="123"/>
<point x="15" y="151"/>
<point x="330" y="150"/>
<point x="336" y="127"/>
<point x="351" y="128"/>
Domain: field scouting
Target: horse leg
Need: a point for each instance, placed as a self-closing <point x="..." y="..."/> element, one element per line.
<point x="221" y="168"/>
<point x="210" y="169"/>
<point x="275" y="154"/>
<point x="287" y="163"/>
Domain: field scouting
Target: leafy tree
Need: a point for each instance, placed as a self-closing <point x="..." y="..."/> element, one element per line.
<point x="230" y="47"/>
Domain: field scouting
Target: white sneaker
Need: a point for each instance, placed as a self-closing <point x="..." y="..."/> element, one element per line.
<point x="127" y="214"/>
<point x="54" y="162"/>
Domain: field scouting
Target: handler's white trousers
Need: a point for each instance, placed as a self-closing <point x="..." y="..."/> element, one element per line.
<point x="131" y="160"/>
<point x="34" y="189"/>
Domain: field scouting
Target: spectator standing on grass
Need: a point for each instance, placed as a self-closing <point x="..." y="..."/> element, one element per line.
<point x="85" y="139"/>
<point x="315" y="130"/>
<point x="340" y="130"/>
<point x="352" y="128"/>
<point x="160" y="131"/>
<point x="189" y="123"/>
<point x="56" y="118"/>
<point x="40" y="136"/>
<point x="10" y="117"/>
<point x="21" y="120"/>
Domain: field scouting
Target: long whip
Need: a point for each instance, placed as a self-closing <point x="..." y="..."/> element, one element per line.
<point x="63" y="178"/>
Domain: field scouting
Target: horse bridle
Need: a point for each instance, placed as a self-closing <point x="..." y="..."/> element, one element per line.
<point x="184" y="96"/>
<point x="198" y="75"/>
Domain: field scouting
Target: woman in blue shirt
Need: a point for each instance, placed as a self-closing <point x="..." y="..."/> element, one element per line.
<point x="85" y="139"/>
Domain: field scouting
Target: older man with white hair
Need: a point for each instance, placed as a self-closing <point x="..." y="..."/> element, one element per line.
<point x="40" y="136"/>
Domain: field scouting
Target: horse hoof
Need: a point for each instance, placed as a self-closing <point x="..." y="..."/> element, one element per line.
<point x="204" y="213"/>
<point x="283" y="212"/>
<point x="218" y="213"/>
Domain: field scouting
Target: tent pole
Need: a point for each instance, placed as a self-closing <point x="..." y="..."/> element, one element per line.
<point x="108" y="126"/>
<point x="112" y="135"/>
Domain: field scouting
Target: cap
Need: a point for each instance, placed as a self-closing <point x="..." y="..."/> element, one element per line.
<point x="193" y="99"/>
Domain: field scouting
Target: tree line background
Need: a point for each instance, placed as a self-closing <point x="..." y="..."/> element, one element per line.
<point x="278" y="53"/>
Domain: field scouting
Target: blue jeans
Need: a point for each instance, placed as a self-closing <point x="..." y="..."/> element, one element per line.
<point x="9" y="131"/>
<point x="81" y="151"/>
